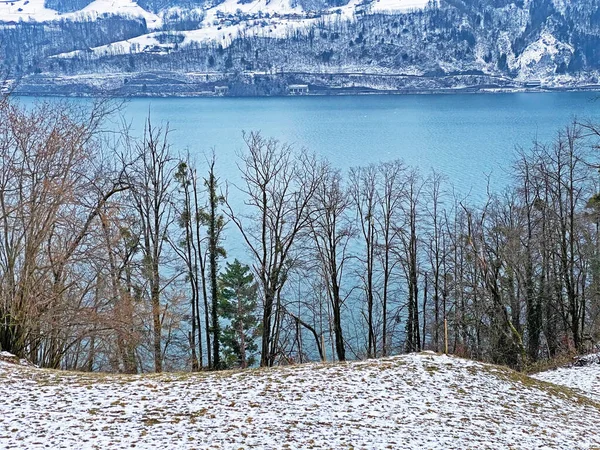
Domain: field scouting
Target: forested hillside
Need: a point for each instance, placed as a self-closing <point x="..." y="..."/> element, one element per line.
<point x="259" y="48"/>
<point x="114" y="254"/>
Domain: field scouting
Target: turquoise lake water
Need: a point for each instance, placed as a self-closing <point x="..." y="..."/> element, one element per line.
<point x="466" y="137"/>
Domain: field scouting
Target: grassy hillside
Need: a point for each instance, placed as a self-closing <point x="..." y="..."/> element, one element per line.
<point x="413" y="401"/>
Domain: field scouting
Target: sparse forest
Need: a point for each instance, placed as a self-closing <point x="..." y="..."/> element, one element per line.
<point x="113" y="257"/>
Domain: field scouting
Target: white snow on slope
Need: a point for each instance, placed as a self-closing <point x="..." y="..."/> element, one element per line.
<point x="270" y="6"/>
<point x="26" y="10"/>
<point x="418" y="401"/>
<point x="397" y="5"/>
<point x="6" y="357"/>
<point x="138" y="44"/>
<point x="585" y="379"/>
<point x="561" y="5"/>
<point x="121" y="7"/>
<point x="34" y="11"/>
<point x="542" y="56"/>
<point x="223" y="34"/>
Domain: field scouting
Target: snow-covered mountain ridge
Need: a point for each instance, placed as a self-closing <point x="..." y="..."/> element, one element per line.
<point x="415" y="401"/>
<point x="260" y="47"/>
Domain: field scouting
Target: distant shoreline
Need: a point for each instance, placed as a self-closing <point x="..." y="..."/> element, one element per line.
<point x="188" y="85"/>
<point x="457" y="91"/>
<point x="292" y="84"/>
<point x="340" y="94"/>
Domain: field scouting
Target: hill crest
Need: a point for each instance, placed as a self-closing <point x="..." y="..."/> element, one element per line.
<point x="410" y="401"/>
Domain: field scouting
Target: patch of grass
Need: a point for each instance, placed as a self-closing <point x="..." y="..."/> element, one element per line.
<point x="431" y="369"/>
<point x="201" y="412"/>
<point x="149" y="421"/>
<point x="550" y="364"/>
<point x="513" y="376"/>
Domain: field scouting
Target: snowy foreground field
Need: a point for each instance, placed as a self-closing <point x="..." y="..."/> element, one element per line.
<point x="415" y="401"/>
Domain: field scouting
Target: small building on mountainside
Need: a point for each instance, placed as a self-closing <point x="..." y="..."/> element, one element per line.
<point x="533" y="83"/>
<point x="298" y="89"/>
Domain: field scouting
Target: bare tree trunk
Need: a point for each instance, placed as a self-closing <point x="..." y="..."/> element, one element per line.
<point x="152" y="194"/>
<point x="364" y="191"/>
<point x="393" y="180"/>
<point x="331" y="233"/>
<point x="201" y="267"/>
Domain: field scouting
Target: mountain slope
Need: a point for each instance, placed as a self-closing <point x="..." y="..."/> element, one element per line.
<point x="328" y="44"/>
<point x="413" y="401"/>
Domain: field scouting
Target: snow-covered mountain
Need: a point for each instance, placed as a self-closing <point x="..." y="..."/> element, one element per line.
<point x="258" y="47"/>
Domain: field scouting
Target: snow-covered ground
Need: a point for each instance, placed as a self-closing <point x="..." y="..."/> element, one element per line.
<point x="222" y="23"/>
<point x="397" y="5"/>
<point x="584" y="378"/>
<point x="221" y="34"/>
<point x="27" y="10"/>
<point x="266" y="6"/>
<point x="121" y="7"/>
<point x="219" y="30"/>
<point x="542" y="56"/>
<point x="34" y="11"/>
<point x="416" y="401"/>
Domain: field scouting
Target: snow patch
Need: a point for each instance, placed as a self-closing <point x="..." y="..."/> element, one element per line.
<point x="585" y="378"/>
<point x="127" y="8"/>
<point x="26" y="10"/>
<point x="34" y="11"/>
<point x="270" y="6"/>
<point x="543" y="56"/>
<point x="560" y="5"/>
<point x="397" y="5"/>
<point x="9" y="358"/>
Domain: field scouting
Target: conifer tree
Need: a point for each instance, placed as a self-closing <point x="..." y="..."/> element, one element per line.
<point x="238" y="305"/>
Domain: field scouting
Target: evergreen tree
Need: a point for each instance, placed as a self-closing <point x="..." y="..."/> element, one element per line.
<point x="238" y="305"/>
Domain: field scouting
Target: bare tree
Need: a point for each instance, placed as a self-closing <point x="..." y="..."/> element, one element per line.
<point x="151" y="179"/>
<point x="363" y="187"/>
<point x="278" y="185"/>
<point x="436" y="249"/>
<point x="410" y="259"/>
<point x="52" y="189"/>
<point x="391" y="186"/>
<point x="332" y="232"/>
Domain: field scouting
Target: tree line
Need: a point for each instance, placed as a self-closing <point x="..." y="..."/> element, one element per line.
<point x="113" y="257"/>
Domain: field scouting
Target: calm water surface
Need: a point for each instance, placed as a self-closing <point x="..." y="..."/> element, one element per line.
<point x="466" y="137"/>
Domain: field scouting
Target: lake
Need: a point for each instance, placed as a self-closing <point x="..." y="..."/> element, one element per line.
<point x="466" y="137"/>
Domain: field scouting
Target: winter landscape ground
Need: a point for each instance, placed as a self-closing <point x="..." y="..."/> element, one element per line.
<point x="412" y="401"/>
